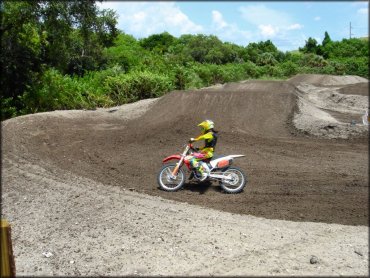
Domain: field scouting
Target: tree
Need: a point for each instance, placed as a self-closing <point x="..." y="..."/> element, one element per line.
<point x="160" y="43"/>
<point x="254" y="50"/>
<point x="67" y="35"/>
<point x="347" y="48"/>
<point x="125" y="52"/>
<point x="106" y="25"/>
<point x="199" y="46"/>
<point x="265" y="59"/>
<point x="214" y="56"/>
<point x="326" y="39"/>
<point x="310" y="46"/>
<point x="22" y="45"/>
<point x="313" y="60"/>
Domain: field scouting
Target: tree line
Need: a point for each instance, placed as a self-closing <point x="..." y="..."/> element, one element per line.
<point x="70" y="55"/>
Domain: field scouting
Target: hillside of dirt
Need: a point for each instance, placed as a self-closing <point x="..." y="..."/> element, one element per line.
<point x="327" y="80"/>
<point x="306" y="161"/>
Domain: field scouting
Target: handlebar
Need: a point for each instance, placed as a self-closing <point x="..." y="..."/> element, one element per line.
<point x="192" y="147"/>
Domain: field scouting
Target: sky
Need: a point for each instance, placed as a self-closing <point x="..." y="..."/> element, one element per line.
<point x="288" y="24"/>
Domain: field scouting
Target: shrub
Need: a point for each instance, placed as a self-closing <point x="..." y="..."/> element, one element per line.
<point x="271" y="71"/>
<point x="8" y="110"/>
<point x="266" y="59"/>
<point x="313" y="60"/>
<point x="288" y="68"/>
<point x="125" y="88"/>
<point x="251" y="70"/>
<point x="186" y="78"/>
<point x="56" y="92"/>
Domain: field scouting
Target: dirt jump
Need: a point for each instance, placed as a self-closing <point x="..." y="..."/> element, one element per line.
<point x="79" y="187"/>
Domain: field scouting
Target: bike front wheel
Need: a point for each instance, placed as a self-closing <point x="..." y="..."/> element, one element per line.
<point x="235" y="182"/>
<point x="167" y="181"/>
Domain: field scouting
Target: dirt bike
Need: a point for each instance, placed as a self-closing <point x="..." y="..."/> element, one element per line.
<point x="172" y="176"/>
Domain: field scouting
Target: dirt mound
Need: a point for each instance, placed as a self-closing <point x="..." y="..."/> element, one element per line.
<point x="325" y="112"/>
<point x="356" y="89"/>
<point x="268" y="109"/>
<point x="326" y="80"/>
<point x="254" y="108"/>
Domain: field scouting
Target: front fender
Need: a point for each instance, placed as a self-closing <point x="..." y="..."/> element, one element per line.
<point x="172" y="157"/>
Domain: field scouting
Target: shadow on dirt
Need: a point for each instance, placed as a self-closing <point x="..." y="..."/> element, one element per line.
<point x="202" y="187"/>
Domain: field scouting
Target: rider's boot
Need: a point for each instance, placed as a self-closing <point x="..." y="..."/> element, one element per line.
<point x="203" y="174"/>
<point x="203" y="177"/>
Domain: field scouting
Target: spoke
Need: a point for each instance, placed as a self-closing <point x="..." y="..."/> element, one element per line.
<point x="167" y="179"/>
<point x="169" y="171"/>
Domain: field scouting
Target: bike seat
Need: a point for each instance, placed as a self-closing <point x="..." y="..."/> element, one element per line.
<point x="214" y="157"/>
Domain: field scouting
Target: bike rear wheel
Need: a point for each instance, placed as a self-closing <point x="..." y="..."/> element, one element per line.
<point x="237" y="182"/>
<point x="169" y="183"/>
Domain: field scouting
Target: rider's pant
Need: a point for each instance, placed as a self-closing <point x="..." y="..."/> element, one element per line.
<point x="195" y="159"/>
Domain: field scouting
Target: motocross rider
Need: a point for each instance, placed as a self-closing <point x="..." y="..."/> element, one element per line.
<point x="209" y="135"/>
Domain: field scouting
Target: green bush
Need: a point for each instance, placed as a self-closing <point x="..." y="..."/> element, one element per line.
<point x="251" y="70"/>
<point x="288" y="69"/>
<point x="211" y="74"/>
<point x="125" y="88"/>
<point x="266" y="58"/>
<point x="206" y="74"/>
<point x="95" y="80"/>
<point x="8" y="110"/>
<point x="186" y="78"/>
<point x="356" y="66"/>
<point x="52" y="92"/>
<point x="335" y="68"/>
<point x="313" y="60"/>
<point x="58" y="92"/>
<point x="271" y="71"/>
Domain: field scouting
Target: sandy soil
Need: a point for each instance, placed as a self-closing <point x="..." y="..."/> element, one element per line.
<point x="330" y="112"/>
<point x="79" y="187"/>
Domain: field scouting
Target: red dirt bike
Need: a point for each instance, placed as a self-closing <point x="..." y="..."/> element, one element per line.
<point x="172" y="176"/>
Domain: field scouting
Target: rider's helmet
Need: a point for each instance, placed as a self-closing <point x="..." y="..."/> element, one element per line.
<point x="206" y="125"/>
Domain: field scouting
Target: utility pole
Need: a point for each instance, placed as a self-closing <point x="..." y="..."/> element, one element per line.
<point x="350" y="30"/>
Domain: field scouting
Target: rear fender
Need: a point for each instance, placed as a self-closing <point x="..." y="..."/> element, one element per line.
<point x="230" y="158"/>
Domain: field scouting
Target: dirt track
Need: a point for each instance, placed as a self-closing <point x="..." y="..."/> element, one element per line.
<point x="293" y="174"/>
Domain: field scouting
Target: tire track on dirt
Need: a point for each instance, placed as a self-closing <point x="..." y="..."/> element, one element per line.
<point x="95" y="229"/>
<point x="68" y="179"/>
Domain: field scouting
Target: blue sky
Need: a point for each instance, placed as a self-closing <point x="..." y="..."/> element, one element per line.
<point x="287" y="24"/>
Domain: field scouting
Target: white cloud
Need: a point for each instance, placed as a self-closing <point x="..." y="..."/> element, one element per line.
<point x="140" y="16"/>
<point x="228" y="31"/>
<point x="269" y="22"/>
<point x="317" y="18"/>
<point x="142" y="19"/>
<point x="261" y="15"/>
<point x="218" y="20"/>
<point x="363" y="11"/>
<point x="295" y="26"/>
<point x="268" y="30"/>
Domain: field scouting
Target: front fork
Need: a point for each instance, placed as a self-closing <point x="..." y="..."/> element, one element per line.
<point x="178" y="164"/>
